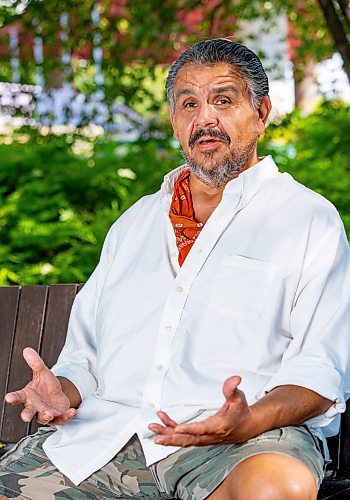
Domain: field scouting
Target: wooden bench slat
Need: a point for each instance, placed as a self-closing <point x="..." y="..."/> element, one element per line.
<point x="9" y="299"/>
<point x="59" y="304"/>
<point x="29" y="327"/>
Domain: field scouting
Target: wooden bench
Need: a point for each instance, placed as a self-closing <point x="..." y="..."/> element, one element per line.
<point x="37" y="316"/>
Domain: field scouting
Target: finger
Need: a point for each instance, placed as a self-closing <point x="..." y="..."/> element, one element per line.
<point x="28" y="413"/>
<point x="230" y="387"/>
<point x="16" y="397"/>
<point x="45" y="416"/>
<point x="43" y="420"/>
<point x="211" y="425"/>
<point x="155" y="427"/>
<point x="185" y="440"/>
<point x="63" y="419"/>
<point x="216" y="424"/>
<point x="57" y="418"/>
<point x="160" y="429"/>
<point x="167" y="421"/>
<point x="33" y="359"/>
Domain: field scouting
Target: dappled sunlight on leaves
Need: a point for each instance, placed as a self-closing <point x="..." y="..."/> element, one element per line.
<point x="316" y="151"/>
<point x="55" y="210"/>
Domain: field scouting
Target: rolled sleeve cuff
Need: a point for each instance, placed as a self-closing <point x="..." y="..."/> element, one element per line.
<point x="79" y="376"/>
<point x="323" y="379"/>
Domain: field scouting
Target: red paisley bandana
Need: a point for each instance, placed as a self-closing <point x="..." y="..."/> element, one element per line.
<point x="181" y="214"/>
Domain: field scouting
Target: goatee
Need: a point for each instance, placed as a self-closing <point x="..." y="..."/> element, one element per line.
<point x="217" y="173"/>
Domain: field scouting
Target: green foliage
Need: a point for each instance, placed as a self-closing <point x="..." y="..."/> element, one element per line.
<point x="136" y="37"/>
<point x="316" y="151"/>
<point x="59" y="194"/>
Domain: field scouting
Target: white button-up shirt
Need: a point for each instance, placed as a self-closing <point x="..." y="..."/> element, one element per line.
<point x="264" y="294"/>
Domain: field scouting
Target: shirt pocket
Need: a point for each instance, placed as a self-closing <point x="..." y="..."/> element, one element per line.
<point x="241" y="287"/>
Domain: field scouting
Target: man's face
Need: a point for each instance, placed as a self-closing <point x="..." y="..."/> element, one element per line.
<point x="215" y="122"/>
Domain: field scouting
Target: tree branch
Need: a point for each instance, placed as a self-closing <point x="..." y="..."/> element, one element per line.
<point x="337" y="31"/>
<point x="344" y="6"/>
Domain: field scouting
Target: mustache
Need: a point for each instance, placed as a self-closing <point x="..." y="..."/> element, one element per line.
<point x="209" y="133"/>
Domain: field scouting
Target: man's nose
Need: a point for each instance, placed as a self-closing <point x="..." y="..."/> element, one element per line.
<point x="206" y="117"/>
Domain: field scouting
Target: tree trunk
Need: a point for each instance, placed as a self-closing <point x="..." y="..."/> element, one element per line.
<point x="337" y="31"/>
<point x="305" y="86"/>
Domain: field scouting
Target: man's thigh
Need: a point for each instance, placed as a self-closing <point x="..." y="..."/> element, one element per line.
<point x="194" y="473"/>
<point x="26" y="473"/>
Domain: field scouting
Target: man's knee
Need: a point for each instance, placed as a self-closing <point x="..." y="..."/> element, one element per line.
<point x="268" y="476"/>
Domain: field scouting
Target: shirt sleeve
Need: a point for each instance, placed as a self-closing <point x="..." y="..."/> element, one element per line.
<point x="318" y="355"/>
<point x="77" y="360"/>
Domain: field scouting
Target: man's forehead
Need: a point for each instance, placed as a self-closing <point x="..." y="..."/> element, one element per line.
<point x="200" y="76"/>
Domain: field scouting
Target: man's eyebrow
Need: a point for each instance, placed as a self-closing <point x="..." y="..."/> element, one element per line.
<point x="181" y="92"/>
<point x="215" y="90"/>
<point x="226" y="88"/>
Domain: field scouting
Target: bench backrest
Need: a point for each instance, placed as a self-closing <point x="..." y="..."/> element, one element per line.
<point x="34" y="316"/>
<point x="37" y="316"/>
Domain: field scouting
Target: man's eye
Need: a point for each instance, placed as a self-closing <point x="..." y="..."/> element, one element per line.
<point x="189" y="104"/>
<point x="223" y="101"/>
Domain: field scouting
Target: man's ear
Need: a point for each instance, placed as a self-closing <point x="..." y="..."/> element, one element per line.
<point x="171" y="114"/>
<point x="263" y="113"/>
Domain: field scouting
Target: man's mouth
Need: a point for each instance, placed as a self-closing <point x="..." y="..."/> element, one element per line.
<point x="210" y="140"/>
<point x="208" y="143"/>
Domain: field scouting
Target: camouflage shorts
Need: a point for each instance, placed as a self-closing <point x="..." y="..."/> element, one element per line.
<point x="190" y="473"/>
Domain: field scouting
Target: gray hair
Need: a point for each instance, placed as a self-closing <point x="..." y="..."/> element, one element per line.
<point x="219" y="50"/>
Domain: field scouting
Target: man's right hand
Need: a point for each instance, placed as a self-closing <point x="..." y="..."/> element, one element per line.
<point x="43" y="396"/>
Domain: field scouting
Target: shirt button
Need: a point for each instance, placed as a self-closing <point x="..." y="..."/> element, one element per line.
<point x="151" y="406"/>
<point x="173" y="255"/>
<point x="179" y="289"/>
<point x="168" y="328"/>
<point x="160" y="368"/>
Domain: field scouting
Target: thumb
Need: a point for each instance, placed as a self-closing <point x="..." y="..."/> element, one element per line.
<point x="33" y="359"/>
<point x="230" y="387"/>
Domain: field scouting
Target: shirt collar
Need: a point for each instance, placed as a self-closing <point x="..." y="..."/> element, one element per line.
<point x="167" y="188"/>
<point x="244" y="186"/>
<point x="249" y="182"/>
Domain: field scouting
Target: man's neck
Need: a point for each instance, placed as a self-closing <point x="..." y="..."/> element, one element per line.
<point x="204" y="198"/>
<point x="204" y="194"/>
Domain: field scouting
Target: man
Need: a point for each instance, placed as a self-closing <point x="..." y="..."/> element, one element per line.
<point x="232" y="277"/>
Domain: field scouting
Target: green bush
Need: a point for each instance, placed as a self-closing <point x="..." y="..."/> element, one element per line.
<point x="316" y="151"/>
<point x="59" y="194"/>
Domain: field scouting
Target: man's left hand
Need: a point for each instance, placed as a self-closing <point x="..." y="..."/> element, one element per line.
<point x="233" y="423"/>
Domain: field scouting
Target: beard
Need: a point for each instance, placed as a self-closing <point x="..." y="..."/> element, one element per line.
<point x="218" y="172"/>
